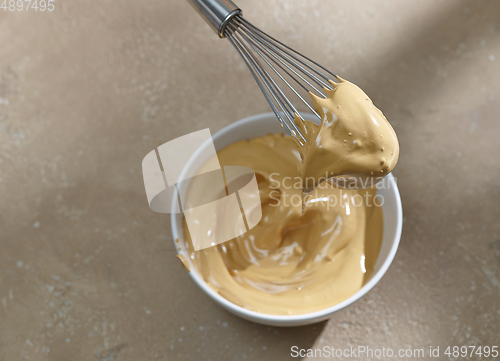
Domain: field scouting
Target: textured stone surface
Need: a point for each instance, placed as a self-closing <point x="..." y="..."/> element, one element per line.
<point x="88" y="272"/>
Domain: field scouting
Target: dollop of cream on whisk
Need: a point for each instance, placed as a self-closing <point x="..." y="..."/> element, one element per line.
<point x="354" y="142"/>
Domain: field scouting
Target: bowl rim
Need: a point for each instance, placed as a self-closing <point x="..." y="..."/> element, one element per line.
<point x="288" y="319"/>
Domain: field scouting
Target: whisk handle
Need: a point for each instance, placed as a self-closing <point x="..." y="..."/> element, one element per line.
<point x="217" y="13"/>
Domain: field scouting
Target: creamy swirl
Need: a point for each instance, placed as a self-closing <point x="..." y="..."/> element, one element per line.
<point x="292" y="262"/>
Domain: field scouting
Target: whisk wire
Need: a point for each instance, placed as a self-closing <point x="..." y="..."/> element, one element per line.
<point x="276" y="92"/>
<point x="282" y="55"/>
<point x="270" y="61"/>
<point x="280" y="63"/>
<point x="262" y="79"/>
<point x="326" y="77"/>
<point x="259" y="50"/>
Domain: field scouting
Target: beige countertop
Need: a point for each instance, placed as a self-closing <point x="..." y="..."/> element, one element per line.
<point x="88" y="271"/>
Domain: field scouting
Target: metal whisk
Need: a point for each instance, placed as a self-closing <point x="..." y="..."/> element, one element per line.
<point x="270" y="62"/>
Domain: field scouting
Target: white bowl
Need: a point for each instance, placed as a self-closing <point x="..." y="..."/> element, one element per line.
<point x="260" y="125"/>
